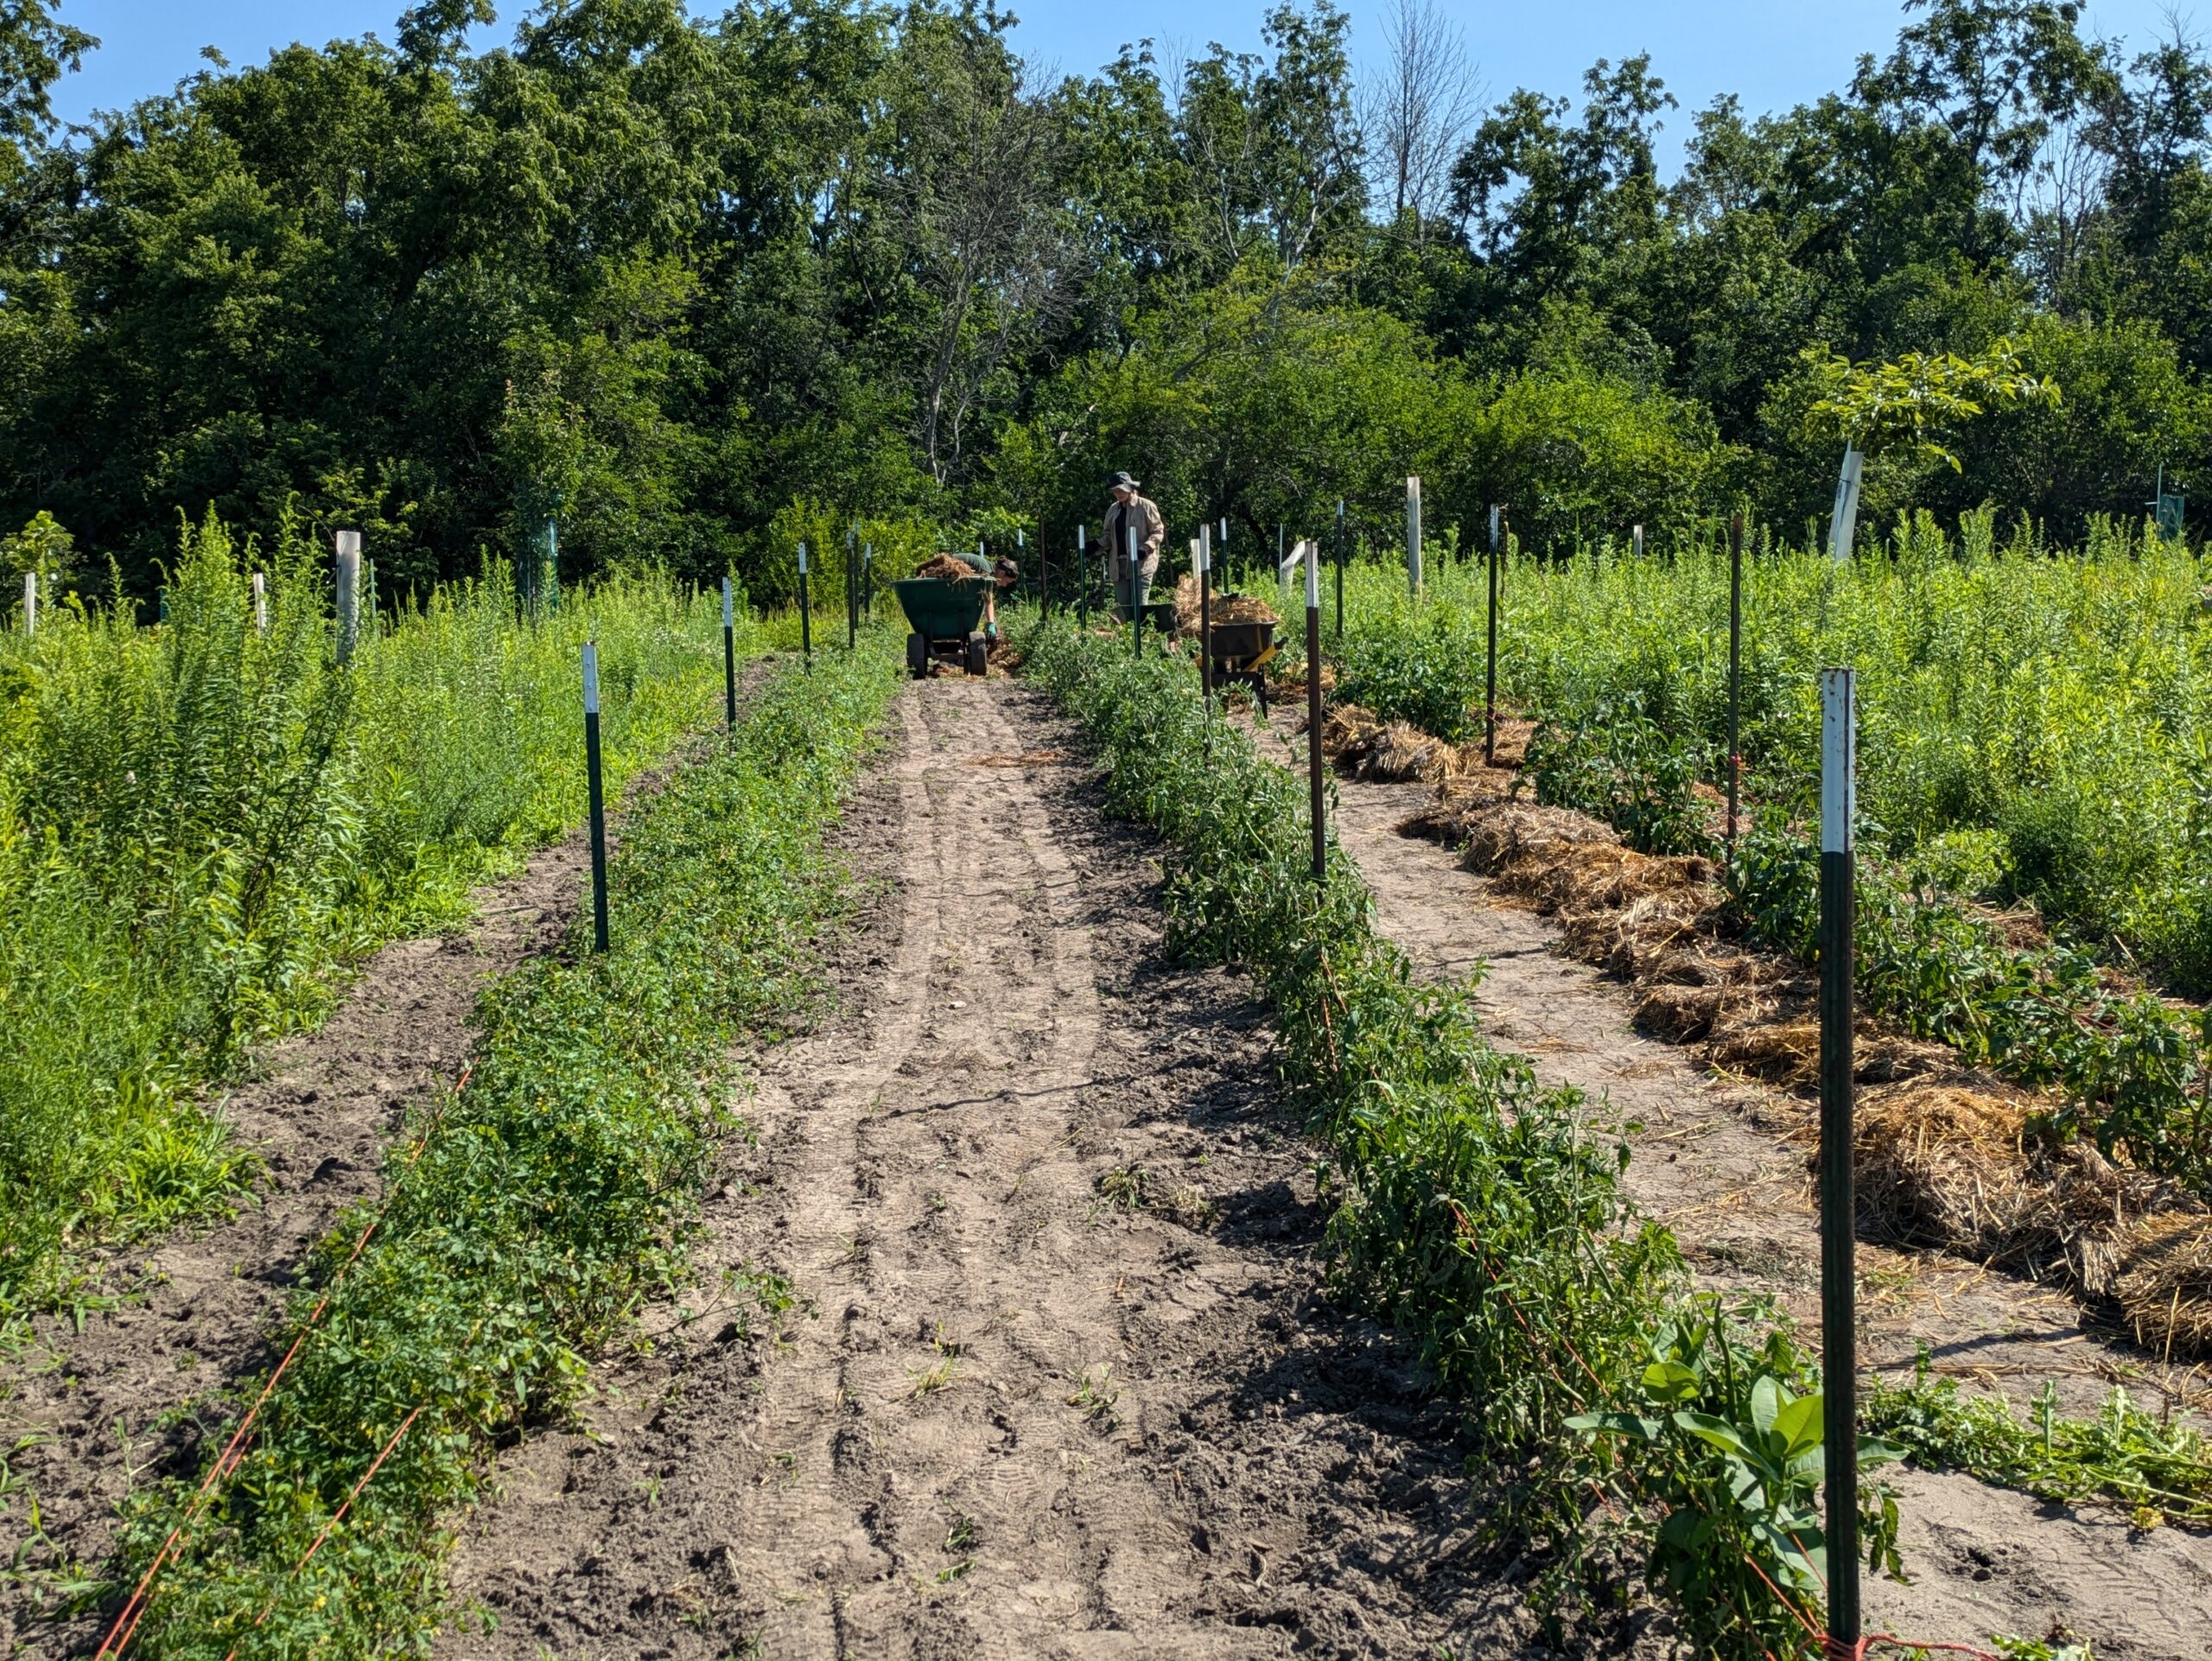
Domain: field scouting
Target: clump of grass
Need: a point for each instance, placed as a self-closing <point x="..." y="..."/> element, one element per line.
<point x="524" y="1224"/>
<point x="1129" y="1187"/>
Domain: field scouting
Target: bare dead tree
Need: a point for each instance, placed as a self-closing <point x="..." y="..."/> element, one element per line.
<point x="978" y="228"/>
<point x="1417" y="110"/>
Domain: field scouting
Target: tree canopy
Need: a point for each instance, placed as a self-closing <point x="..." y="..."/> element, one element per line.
<point x="666" y="276"/>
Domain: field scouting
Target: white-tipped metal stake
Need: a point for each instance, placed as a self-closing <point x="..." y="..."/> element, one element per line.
<point x="349" y="593"/>
<point x="806" y="620"/>
<point x="1635" y="535"/>
<point x="1843" y="520"/>
<point x="597" y="797"/>
<point x="260" y="603"/>
<point x="30" y="604"/>
<point x="1312" y="554"/>
<point x="1136" y="605"/>
<point x="1202" y="564"/>
<point x="1839" y="1201"/>
<point x="729" y="655"/>
<point x="1413" y="534"/>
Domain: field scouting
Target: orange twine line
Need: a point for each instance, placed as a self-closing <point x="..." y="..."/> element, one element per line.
<point x="134" y="1609"/>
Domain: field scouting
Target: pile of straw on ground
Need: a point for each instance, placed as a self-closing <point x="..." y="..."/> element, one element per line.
<point x="1946" y="1156"/>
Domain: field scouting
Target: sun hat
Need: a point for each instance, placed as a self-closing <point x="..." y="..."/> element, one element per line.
<point x="1123" y="482"/>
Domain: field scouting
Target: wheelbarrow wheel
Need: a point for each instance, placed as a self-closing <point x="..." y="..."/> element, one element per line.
<point x="979" y="655"/>
<point x="917" y="656"/>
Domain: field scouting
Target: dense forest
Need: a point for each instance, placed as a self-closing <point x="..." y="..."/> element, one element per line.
<point x="685" y="283"/>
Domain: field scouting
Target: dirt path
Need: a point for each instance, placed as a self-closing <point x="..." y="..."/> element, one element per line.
<point x="1058" y="1383"/>
<point x="1722" y="1162"/>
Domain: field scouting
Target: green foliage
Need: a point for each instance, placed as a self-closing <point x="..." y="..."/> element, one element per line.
<point x="205" y="825"/>
<point x="1620" y="767"/>
<point x="525" y="1216"/>
<point x="2130" y="1068"/>
<point x="1707" y="1392"/>
<point x="1427" y="670"/>
<point x="1920" y="398"/>
<point x="2155" y="1469"/>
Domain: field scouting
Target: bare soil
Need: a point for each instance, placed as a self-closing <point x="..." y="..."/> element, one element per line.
<point x="138" y="1390"/>
<point x="1060" y="1381"/>
<point x="1722" y="1161"/>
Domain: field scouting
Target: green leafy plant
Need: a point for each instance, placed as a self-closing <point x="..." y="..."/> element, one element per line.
<point x="1620" y="767"/>
<point x="1738" y="1459"/>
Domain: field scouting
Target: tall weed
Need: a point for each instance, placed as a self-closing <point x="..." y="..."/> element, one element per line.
<point x="203" y="824"/>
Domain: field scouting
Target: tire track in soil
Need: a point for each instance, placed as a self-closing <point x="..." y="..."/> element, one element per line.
<point x="1014" y="1418"/>
<point x="1722" y="1162"/>
<point x="123" y="1395"/>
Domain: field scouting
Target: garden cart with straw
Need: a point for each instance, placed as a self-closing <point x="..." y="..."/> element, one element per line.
<point x="943" y="616"/>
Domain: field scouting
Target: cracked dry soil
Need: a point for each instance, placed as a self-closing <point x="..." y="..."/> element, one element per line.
<point x="1060" y="1382"/>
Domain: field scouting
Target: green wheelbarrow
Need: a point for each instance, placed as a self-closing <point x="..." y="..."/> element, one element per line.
<point x="942" y="616"/>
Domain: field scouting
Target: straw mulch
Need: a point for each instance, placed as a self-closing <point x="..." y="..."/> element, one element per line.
<point x="948" y="569"/>
<point x="1222" y="608"/>
<point x="1388" y="751"/>
<point x="1946" y="1155"/>
<point x="2165" y="1285"/>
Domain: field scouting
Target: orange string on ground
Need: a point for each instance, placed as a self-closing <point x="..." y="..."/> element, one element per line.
<point x="134" y="1609"/>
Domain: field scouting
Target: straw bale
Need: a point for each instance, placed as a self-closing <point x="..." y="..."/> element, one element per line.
<point x="1944" y="1163"/>
<point x="2165" y="1284"/>
<point x="1400" y="754"/>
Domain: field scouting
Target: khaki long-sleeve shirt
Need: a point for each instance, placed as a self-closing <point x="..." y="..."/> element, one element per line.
<point x="1152" y="530"/>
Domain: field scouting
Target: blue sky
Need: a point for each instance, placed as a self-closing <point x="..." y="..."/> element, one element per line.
<point x="1774" y="53"/>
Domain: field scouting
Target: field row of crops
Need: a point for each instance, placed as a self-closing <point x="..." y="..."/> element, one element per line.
<point x="205" y="824"/>
<point x="2036" y="730"/>
<point x="525" y="1214"/>
<point x="1473" y="1210"/>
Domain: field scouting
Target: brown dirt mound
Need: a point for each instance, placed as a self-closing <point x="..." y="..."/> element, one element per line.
<point x="944" y="566"/>
<point x="2165" y="1285"/>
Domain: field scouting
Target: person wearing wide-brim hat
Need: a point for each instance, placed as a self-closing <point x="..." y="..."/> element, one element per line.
<point x="1131" y="516"/>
